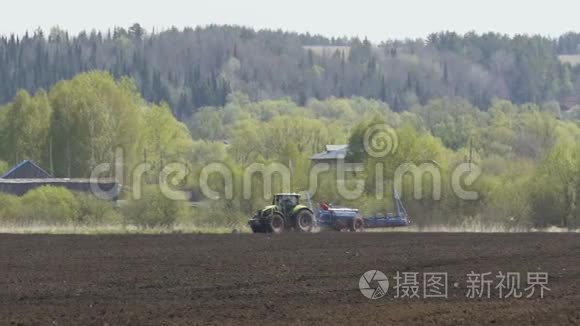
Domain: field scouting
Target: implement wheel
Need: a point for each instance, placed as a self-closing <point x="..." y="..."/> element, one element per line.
<point x="357" y="225"/>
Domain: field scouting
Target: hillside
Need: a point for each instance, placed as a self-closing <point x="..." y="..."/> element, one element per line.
<point x="192" y="68"/>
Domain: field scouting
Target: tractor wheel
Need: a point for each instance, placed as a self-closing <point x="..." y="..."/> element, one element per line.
<point x="304" y="221"/>
<point x="276" y="224"/>
<point x="357" y="225"/>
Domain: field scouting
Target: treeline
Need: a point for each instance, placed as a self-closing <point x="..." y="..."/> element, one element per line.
<point x="193" y="68"/>
<point x="79" y="123"/>
<point x="528" y="153"/>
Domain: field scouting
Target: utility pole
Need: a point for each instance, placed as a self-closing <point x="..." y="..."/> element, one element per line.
<point x="470" y="152"/>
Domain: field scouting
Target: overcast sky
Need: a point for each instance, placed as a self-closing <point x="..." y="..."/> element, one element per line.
<point x="378" y="20"/>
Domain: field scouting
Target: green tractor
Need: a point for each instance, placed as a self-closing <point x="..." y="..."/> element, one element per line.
<point x="285" y="213"/>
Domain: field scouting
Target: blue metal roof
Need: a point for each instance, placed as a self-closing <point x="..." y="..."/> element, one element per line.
<point x="21" y="165"/>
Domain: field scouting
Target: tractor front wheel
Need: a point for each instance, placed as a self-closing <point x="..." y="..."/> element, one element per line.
<point x="276" y="224"/>
<point x="304" y="221"/>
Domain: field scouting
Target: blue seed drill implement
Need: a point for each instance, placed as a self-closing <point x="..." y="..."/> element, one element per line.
<point x="340" y="218"/>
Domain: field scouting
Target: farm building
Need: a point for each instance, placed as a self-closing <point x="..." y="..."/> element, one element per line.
<point x="27" y="175"/>
<point x="26" y="170"/>
<point x="333" y="154"/>
<point x="569" y="102"/>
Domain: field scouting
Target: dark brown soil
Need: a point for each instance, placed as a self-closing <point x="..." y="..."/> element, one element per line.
<point x="288" y="279"/>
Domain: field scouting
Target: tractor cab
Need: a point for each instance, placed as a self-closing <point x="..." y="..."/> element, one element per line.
<point x="286" y="202"/>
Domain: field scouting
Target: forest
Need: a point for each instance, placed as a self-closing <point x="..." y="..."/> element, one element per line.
<point x="236" y="96"/>
<point x="196" y="67"/>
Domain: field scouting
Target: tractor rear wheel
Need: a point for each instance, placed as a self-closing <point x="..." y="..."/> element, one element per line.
<point x="275" y="224"/>
<point x="357" y="225"/>
<point x="304" y="221"/>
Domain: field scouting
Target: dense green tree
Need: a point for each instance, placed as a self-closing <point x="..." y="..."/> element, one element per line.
<point x="165" y="139"/>
<point x="93" y="115"/>
<point x="208" y="124"/>
<point x="27" y="121"/>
